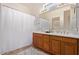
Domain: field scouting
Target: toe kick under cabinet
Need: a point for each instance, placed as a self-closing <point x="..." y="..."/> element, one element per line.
<point x="56" y="45"/>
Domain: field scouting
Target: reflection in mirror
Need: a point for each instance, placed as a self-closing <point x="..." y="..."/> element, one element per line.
<point x="63" y="20"/>
<point x="41" y="25"/>
<point x="73" y="21"/>
<point x="56" y="24"/>
<point x="66" y="20"/>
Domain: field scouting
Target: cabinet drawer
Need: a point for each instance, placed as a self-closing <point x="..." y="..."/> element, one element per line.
<point x="55" y="47"/>
<point x="56" y="37"/>
<point x="69" y="40"/>
<point x="37" y="35"/>
<point x="46" y="36"/>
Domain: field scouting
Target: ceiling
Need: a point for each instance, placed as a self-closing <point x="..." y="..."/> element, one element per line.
<point x="37" y="5"/>
<point x="31" y="8"/>
<point x="34" y="7"/>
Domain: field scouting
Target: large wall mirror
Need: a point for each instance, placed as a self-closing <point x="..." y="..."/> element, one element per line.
<point x="63" y="20"/>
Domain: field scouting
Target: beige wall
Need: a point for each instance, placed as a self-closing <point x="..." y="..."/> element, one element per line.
<point x="24" y="8"/>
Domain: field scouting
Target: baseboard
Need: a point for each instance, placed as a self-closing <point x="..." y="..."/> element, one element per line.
<point x="14" y="52"/>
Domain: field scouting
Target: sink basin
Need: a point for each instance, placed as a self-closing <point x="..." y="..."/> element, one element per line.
<point x="47" y="32"/>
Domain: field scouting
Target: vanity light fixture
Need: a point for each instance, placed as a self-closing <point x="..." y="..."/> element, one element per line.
<point x="52" y="6"/>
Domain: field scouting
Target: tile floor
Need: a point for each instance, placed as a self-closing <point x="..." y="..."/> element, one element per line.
<point x="32" y="51"/>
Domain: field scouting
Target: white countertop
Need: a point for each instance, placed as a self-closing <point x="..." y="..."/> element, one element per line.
<point x="60" y="34"/>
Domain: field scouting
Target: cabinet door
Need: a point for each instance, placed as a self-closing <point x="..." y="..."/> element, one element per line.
<point x="55" y="47"/>
<point x="46" y="43"/>
<point x="68" y="46"/>
<point x="68" y="49"/>
<point x="55" y="44"/>
<point x="40" y="41"/>
<point x="35" y="40"/>
<point x="78" y="46"/>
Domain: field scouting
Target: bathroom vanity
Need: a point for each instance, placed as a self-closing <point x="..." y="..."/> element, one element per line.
<point x="63" y="39"/>
<point x="56" y="44"/>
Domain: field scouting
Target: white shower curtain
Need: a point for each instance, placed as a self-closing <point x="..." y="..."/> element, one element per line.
<point x="16" y="29"/>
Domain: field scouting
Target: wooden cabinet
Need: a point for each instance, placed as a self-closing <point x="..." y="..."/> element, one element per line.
<point x="35" y="43"/>
<point x="41" y="41"/>
<point x="55" y="45"/>
<point x="78" y="46"/>
<point x="69" y="46"/>
<point x="58" y="45"/>
<point x="46" y="43"/>
<point x="37" y="40"/>
<point x="68" y="49"/>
